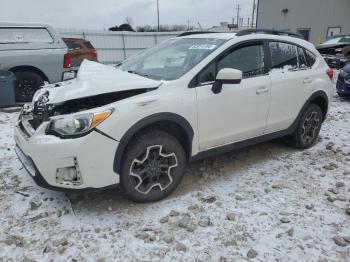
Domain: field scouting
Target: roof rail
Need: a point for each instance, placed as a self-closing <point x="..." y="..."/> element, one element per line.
<point x="195" y="33"/>
<point x="269" y="32"/>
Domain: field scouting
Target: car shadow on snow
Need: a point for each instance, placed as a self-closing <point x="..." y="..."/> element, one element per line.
<point x="199" y="176"/>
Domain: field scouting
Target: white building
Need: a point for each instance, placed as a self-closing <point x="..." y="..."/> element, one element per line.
<point x="317" y="20"/>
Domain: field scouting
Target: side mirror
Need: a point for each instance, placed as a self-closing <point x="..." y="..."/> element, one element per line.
<point x="227" y="76"/>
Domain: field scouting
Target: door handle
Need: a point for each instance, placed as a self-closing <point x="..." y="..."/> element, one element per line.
<point x="307" y="80"/>
<point x="262" y="90"/>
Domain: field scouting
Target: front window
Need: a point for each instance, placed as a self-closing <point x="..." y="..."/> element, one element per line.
<point x="172" y="59"/>
<point x="249" y="59"/>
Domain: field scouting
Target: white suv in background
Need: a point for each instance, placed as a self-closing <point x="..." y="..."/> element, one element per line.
<point x="191" y="97"/>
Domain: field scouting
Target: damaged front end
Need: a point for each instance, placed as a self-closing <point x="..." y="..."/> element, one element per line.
<point x="71" y="104"/>
<point x="70" y="114"/>
<point x="336" y="55"/>
<point x="73" y="109"/>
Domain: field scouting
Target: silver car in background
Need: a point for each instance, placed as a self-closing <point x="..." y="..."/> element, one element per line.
<point x="35" y="53"/>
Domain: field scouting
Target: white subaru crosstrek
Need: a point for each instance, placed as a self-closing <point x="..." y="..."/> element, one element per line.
<point x="191" y="97"/>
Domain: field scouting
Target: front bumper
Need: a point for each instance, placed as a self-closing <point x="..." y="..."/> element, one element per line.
<point x="43" y="155"/>
<point x="335" y="62"/>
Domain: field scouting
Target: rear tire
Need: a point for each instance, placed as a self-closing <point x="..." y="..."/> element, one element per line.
<point x="308" y="128"/>
<point x="26" y="84"/>
<point x="153" y="166"/>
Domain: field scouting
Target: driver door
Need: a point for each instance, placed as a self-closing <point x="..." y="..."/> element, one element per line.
<point x="239" y="111"/>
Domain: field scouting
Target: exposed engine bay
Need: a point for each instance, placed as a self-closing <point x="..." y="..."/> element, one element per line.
<point x="96" y="86"/>
<point x="336" y="55"/>
<point x="41" y="110"/>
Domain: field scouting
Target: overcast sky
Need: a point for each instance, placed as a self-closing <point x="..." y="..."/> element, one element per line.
<point x="102" y="14"/>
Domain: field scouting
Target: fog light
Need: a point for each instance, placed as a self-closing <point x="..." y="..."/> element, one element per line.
<point x="69" y="176"/>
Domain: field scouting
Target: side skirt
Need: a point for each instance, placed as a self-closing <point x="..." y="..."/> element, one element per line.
<point x="235" y="146"/>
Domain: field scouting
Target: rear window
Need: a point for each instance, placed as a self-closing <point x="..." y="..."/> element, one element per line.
<point x="71" y="45"/>
<point x="283" y="56"/>
<point x="24" y="35"/>
<point x="89" y="45"/>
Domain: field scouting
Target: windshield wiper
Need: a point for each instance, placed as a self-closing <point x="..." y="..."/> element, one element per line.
<point x="137" y="73"/>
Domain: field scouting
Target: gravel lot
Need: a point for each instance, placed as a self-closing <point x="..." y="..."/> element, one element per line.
<point x="264" y="203"/>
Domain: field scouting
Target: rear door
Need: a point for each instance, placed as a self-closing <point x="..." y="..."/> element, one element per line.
<point x="291" y="79"/>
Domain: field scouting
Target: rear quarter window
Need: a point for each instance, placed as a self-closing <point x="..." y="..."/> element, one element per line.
<point x="303" y="64"/>
<point x="311" y="58"/>
<point x="24" y="35"/>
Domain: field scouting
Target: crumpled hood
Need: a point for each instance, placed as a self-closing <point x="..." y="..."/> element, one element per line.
<point x="95" y="79"/>
<point x="337" y="45"/>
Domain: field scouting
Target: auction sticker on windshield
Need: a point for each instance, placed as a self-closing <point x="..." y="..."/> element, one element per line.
<point x="202" y="47"/>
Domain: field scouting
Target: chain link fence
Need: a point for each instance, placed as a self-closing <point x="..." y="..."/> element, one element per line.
<point x="114" y="47"/>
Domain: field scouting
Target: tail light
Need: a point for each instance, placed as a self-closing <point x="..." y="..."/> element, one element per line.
<point x="67" y="61"/>
<point x="330" y="73"/>
<point x="94" y="53"/>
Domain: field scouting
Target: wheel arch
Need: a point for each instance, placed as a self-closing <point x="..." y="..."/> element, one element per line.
<point x="320" y="98"/>
<point x="26" y="68"/>
<point x="171" y="123"/>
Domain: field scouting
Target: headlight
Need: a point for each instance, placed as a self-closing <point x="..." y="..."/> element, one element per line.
<point x="76" y="125"/>
<point x="339" y="50"/>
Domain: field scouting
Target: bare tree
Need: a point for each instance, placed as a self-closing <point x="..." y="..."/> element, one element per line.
<point x="128" y="20"/>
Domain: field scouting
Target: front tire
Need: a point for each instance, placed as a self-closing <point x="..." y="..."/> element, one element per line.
<point x="308" y="128"/>
<point x="153" y="166"/>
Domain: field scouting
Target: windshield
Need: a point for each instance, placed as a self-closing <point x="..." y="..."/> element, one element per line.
<point x="172" y="59"/>
<point x="345" y="39"/>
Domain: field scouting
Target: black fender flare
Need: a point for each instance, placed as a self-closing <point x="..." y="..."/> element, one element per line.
<point x="26" y="68"/>
<point x="317" y="94"/>
<point x="147" y="122"/>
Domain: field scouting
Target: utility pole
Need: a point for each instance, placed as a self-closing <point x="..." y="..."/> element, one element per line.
<point x="238" y="8"/>
<point x="188" y="25"/>
<point x="158" y="15"/>
<point x="253" y="14"/>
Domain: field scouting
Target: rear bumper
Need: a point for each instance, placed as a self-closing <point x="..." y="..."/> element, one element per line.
<point x="43" y="156"/>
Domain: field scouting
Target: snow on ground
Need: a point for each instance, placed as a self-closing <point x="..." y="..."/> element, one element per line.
<point x="264" y="203"/>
